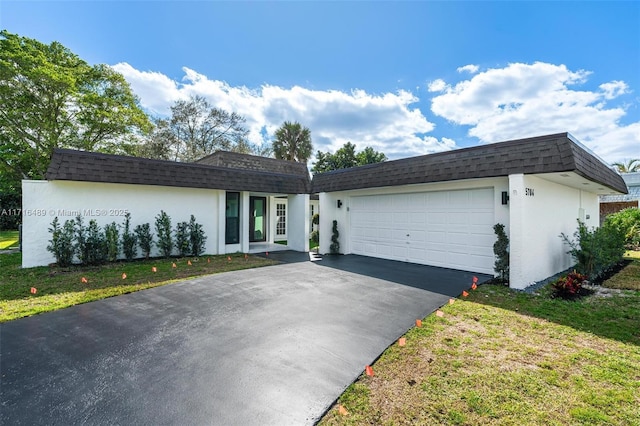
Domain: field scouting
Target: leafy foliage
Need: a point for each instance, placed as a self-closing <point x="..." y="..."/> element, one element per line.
<point x="627" y="221"/>
<point x="145" y="238"/>
<point x="293" y="142"/>
<point x="53" y="99"/>
<point x="163" y="230"/>
<point x="182" y="238"/>
<point x="334" y="248"/>
<point x="568" y="286"/>
<point x="112" y="241"/>
<point x="96" y="245"/>
<point x="61" y="242"/>
<point x="346" y="157"/>
<point x="195" y="130"/>
<point x="10" y="201"/>
<point x="80" y="244"/>
<point x="315" y="237"/>
<point x="628" y="166"/>
<point x="501" y="251"/>
<point x="595" y="250"/>
<point x="129" y="239"/>
<point x="196" y="237"/>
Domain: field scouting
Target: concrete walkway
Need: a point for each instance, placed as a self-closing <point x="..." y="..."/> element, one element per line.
<point x="269" y="346"/>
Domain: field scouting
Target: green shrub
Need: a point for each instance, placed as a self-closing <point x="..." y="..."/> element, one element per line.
<point x="112" y="239"/>
<point x="80" y="240"/>
<point x="196" y="237"/>
<point x="501" y="251"/>
<point x="596" y="250"/>
<point x="315" y="219"/>
<point x="568" y="286"/>
<point x="182" y="238"/>
<point x="61" y="242"/>
<point x="334" y="248"/>
<point x="627" y="221"/>
<point x="315" y="237"/>
<point x="96" y="245"/>
<point x="163" y="231"/>
<point x="145" y="238"/>
<point x="129" y="239"/>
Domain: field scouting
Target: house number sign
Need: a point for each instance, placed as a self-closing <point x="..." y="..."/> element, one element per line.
<point x="528" y="192"/>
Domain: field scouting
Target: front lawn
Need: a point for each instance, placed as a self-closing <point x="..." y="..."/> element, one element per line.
<point x="506" y="357"/>
<point x="57" y="288"/>
<point x="8" y="239"/>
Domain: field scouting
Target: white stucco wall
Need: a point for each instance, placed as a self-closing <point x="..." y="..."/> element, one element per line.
<point x="540" y="211"/>
<point x="107" y="202"/>
<point x="298" y="222"/>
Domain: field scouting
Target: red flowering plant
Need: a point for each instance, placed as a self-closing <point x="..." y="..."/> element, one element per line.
<point x="569" y="286"/>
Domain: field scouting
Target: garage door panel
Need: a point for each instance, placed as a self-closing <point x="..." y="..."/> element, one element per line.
<point x="450" y="228"/>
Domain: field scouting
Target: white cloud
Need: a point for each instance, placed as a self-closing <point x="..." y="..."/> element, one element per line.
<point x="387" y="122"/>
<point x="522" y="100"/>
<point x="438" y="85"/>
<point x="472" y="69"/>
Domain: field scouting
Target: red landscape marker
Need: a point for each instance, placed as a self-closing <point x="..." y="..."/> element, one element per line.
<point x="173" y="265"/>
<point x="34" y="290"/>
<point x="368" y="370"/>
<point x="229" y="258"/>
<point x="84" y="280"/>
<point x="267" y="253"/>
<point x="246" y="257"/>
<point x="452" y="301"/>
<point x="464" y="293"/>
<point x="342" y="411"/>
<point x="418" y="323"/>
<point x="208" y="260"/>
<point x="475" y="280"/>
<point x="189" y="262"/>
<point x="124" y="276"/>
<point x="402" y="341"/>
<point x="439" y="313"/>
<point x="154" y="269"/>
<point x="473" y="286"/>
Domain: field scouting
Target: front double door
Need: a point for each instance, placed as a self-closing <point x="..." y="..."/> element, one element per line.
<point x="257" y="219"/>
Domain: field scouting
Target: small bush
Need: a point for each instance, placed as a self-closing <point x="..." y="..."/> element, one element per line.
<point x="315" y="237"/>
<point x="163" y="231"/>
<point x="196" y="237"/>
<point x="595" y="250"/>
<point x="145" y="238"/>
<point x="96" y="245"/>
<point x="61" y="242"/>
<point x="112" y="240"/>
<point x="334" y="248"/>
<point x="569" y="286"/>
<point x="129" y="239"/>
<point x="80" y="244"/>
<point x="627" y="221"/>
<point x="182" y="238"/>
<point x="501" y="251"/>
<point x="315" y="219"/>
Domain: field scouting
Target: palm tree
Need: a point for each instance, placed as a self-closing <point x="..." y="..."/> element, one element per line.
<point x="628" y="166"/>
<point x="293" y="142"/>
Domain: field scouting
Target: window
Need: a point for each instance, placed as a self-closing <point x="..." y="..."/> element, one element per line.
<point x="281" y="214"/>
<point x="232" y="231"/>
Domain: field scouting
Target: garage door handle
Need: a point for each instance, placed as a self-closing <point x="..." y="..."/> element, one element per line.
<point x="407" y="235"/>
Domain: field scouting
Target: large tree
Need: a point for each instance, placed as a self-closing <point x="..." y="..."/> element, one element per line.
<point x="346" y="157"/>
<point x="50" y="98"/>
<point x="197" y="129"/>
<point x="293" y="142"/>
<point x="628" y="166"/>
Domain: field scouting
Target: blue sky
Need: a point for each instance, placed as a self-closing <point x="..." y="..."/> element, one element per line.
<point x="406" y="78"/>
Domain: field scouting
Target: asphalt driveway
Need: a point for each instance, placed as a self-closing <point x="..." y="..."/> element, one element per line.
<point x="268" y="346"/>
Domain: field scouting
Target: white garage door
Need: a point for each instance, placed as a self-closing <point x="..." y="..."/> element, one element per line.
<point x="452" y="229"/>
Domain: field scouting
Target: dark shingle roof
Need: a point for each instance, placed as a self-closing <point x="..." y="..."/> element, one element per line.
<point x="544" y="154"/>
<point x="236" y="160"/>
<point x="94" y="167"/>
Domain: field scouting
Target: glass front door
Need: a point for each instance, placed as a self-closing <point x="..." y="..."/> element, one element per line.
<point x="257" y="219"/>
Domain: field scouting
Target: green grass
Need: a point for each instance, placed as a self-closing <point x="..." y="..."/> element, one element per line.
<point x="629" y="277"/>
<point x="58" y="288"/>
<point x="506" y="357"/>
<point x="8" y="239"/>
